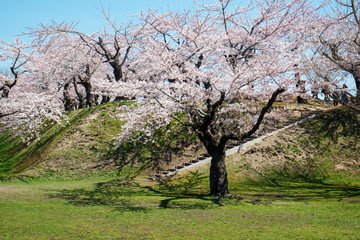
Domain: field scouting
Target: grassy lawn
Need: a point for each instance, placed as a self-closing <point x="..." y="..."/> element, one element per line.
<point x="90" y="209"/>
<point x="100" y="208"/>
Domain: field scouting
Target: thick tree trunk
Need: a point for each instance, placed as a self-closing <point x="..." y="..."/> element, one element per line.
<point x="105" y="99"/>
<point x="117" y="72"/>
<point x="301" y="100"/>
<point x="6" y="91"/>
<point x="90" y="97"/>
<point x="69" y="104"/>
<point x="218" y="175"/>
<point x="80" y="97"/>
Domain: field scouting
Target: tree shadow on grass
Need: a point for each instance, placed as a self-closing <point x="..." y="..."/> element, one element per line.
<point x="304" y="191"/>
<point x="126" y="196"/>
<point x="336" y="124"/>
<point x="190" y="192"/>
<point x="114" y="194"/>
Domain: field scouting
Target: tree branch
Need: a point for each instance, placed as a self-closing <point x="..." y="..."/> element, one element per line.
<point x="7" y="114"/>
<point x="263" y="111"/>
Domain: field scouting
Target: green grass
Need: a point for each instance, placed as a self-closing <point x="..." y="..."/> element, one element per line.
<point x="325" y="148"/>
<point x="91" y="132"/>
<point x="16" y="156"/>
<point x="106" y="209"/>
<point x="181" y="209"/>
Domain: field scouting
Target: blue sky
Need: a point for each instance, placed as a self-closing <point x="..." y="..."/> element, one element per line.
<point x="17" y="15"/>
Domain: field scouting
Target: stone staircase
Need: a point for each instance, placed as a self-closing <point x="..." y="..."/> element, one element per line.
<point x="231" y="148"/>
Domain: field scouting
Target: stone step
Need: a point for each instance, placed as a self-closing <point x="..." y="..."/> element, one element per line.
<point x="165" y="173"/>
<point x="250" y="138"/>
<point x="233" y="145"/>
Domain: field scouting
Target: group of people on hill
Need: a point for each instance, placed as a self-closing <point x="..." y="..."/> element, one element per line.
<point x="338" y="96"/>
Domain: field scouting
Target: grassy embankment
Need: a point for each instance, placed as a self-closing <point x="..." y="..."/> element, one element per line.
<point x="16" y="155"/>
<point x="85" y="148"/>
<point x="181" y="208"/>
<point x="61" y="151"/>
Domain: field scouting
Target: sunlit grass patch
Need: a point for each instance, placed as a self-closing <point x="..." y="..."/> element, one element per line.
<point x="108" y="209"/>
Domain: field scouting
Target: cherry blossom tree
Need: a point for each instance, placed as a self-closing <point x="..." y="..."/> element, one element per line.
<point x="338" y="49"/>
<point x="16" y="52"/>
<point x="67" y="65"/>
<point x="24" y="103"/>
<point x="114" y="46"/>
<point x="59" y="66"/>
<point x="49" y="78"/>
<point x="217" y="70"/>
